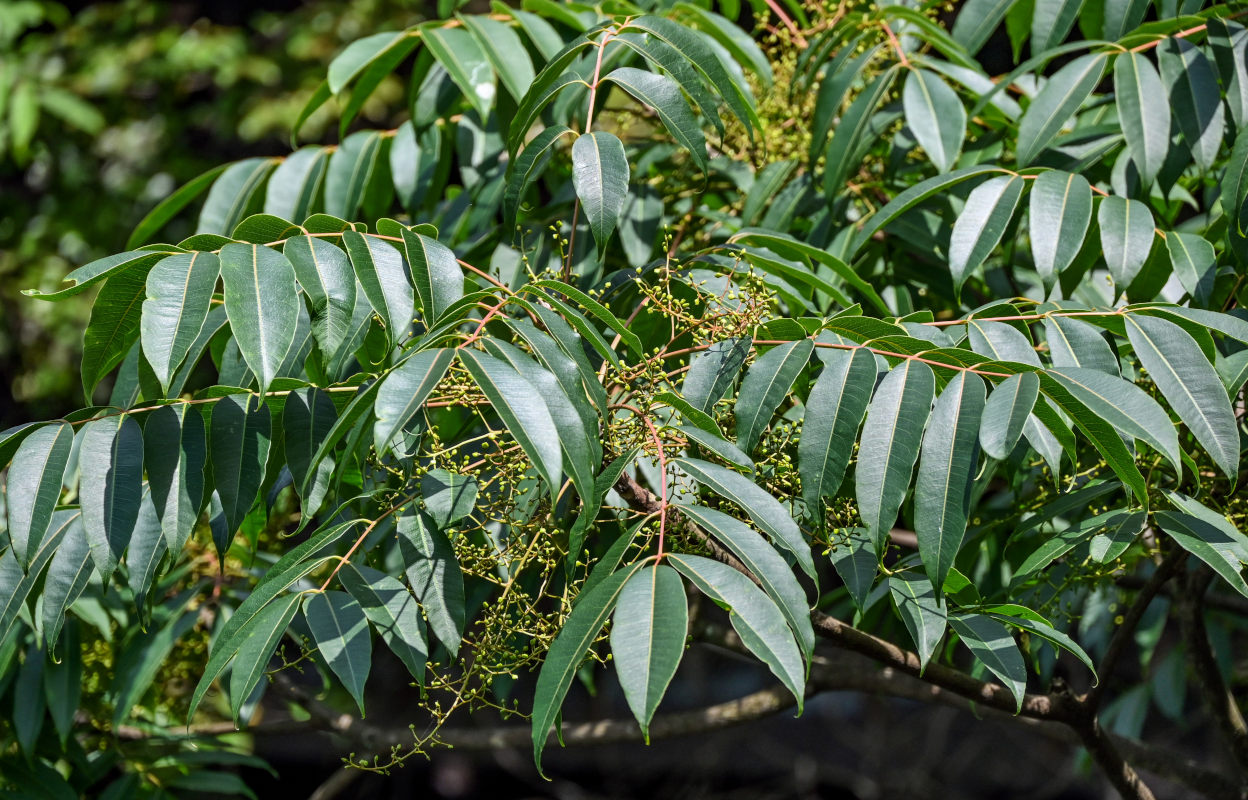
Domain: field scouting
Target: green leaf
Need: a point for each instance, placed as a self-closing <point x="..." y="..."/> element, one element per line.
<point x="319" y="97"/>
<point x="16" y="585"/>
<point x="936" y="117"/>
<point x="102" y="269"/>
<point x="111" y="486"/>
<point x="1126" y="237"/>
<point x="359" y="54"/>
<point x="948" y="467"/>
<point x="766" y="564"/>
<point x="239" y="436"/>
<point x="1048" y="633"/>
<point x="176" y="474"/>
<point x="1073" y="343"/>
<point x="754" y="616"/>
<point x="233" y="195"/>
<point x="713" y="371"/>
<point x="1066" y="540"/>
<point x="435" y="576"/>
<point x="465" y="61"/>
<point x="558" y="74"/>
<point x="981" y="224"/>
<point x="523" y="411"/>
<point x="168" y="208"/>
<point x="600" y="175"/>
<point x="257" y="649"/>
<point x="350" y="169"/>
<point x="850" y="132"/>
<point x="392" y="610"/>
<point x="1122" y="16"/>
<point x="527" y="166"/>
<point x="976" y="22"/>
<point x="765" y="386"/>
<point x="648" y="638"/>
<point x="115" y="321"/>
<point x="68" y="573"/>
<point x="580" y="629"/>
<point x="1194" y="262"/>
<point x="674" y="63"/>
<point x="579" y="456"/>
<point x="385" y="280"/>
<point x="1121" y="403"/>
<point x="992" y="644"/>
<point x="405" y="390"/>
<point x="1051" y="22"/>
<point x="834" y="411"/>
<point x="147" y="547"/>
<point x="717" y="445"/>
<point x="179" y="293"/>
<point x="663" y="95"/>
<point x="327" y="279"/>
<point x="1192" y="85"/>
<point x="1061" y="210"/>
<point x="1144" y="112"/>
<point x="308" y="417"/>
<point x="1060" y="98"/>
<point x="1006" y="413"/>
<point x="892" y="435"/>
<point x="341" y="632"/>
<point x="448" y="497"/>
<point x="912" y="197"/>
<point x="1190" y="384"/>
<point x="1211" y="543"/>
<point x="506" y="53"/>
<point x="293" y="565"/>
<point x="435" y="272"/>
<point x="262" y="304"/>
<point x="599" y="312"/>
<point x="1002" y="342"/>
<point x="34" y="486"/>
<point x="922" y="611"/>
<point x="739" y="44"/>
<point x="765" y="510"/>
<point x="856" y="563"/>
<point x="296" y="182"/>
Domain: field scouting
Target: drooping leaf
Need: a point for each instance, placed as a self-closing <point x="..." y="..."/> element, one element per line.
<point x="890" y="444"/>
<point x="147" y="547"/>
<point x="754" y="616"/>
<point x="834" y="411"/>
<point x="1124" y="405"/>
<point x="308" y="416"/>
<point x="845" y="142"/>
<point x="1006" y="412"/>
<point x="713" y="371"/>
<point x="527" y="166"/>
<point x="435" y="272"/>
<point x="392" y="610"/>
<point x="765" y="386"/>
<point x="1051" y="22"/>
<point x="663" y="95"/>
<point x="176" y="474"/>
<point x="1194" y="262"/>
<point x="114" y="326"/>
<point x="233" y="195"/>
<point x="257" y="648"/>
<point x="356" y="57"/>
<point x="68" y="573"/>
<point x="341" y="632"/>
<point x="240" y="434"/>
<point x="976" y="22"/>
<point x="775" y="576"/>
<point x="34" y="486"/>
<point x="296" y="183"/>
<point x="1061" y="210"/>
<point x="1073" y="343"/>
<point x="262" y="304"/>
<point x="405" y="390"/>
<point x="981" y="224"/>
<point x="1190" y="385"/>
<point x="325" y="274"/>
<point x="179" y="292"/>
<point x="349" y="172"/>
<point x="435" y="577"/>
<point x="648" y="638"/>
<point x="1144" y="112"/>
<point x="1060" y="98"/>
<point x="600" y="174"/>
<point x="380" y="270"/>
<point x="506" y="53"/>
<point x="522" y="409"/>
<point x="936" y="117"/>
<point x="573" y="641"/>
<point x="948" y="466"/>
<point x="1126" y="237"/>
<point x="992" y="644"/>
<point x="921" y="609"/>
<point x="1192" y="87"/>
<point x="765" y="510"/>
<point x="111" y="487"/>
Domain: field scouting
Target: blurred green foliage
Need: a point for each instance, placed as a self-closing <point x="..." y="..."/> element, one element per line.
<point x="104" y="111"/>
